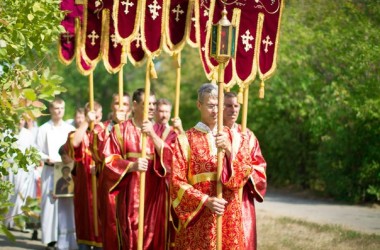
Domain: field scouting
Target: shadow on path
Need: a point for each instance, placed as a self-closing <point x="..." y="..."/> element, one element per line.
<point x="23" y="241"/>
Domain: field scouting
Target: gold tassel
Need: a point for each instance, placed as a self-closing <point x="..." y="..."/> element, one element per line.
<point x="240" y="95"/>
<point x="153" y="73"/>
<point x="262" y="91"/>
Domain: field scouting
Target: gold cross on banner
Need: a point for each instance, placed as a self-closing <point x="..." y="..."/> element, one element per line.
<point x="267" y="43"/>
<point x="177" y="11"/>
<point x="114" y="40"/>
<point x="127" y="4"/>
<point x="153" y="9"/>
<point x="246" y="38"/>
<point x="138" y="40"/>
<point x="93" y="36"/>
<point x="67" y="36"/>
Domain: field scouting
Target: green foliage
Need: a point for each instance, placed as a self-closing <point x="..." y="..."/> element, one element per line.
<point x="27" y="31"/>
<point x="30" y="212"/>
<point x="5" y="189"/>
<point x="319" y="122"/>
<point x="28" y="28"/>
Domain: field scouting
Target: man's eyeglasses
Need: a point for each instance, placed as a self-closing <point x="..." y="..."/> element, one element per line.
<point x="211" y="106"/>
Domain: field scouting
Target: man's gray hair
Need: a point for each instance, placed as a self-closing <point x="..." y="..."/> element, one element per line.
<point x="207" y="89"/>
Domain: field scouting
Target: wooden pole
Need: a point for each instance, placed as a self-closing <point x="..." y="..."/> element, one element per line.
<point x="177" y="57"/>
<point x="244" y="123"/>
<point x="219" y="187"/>
<point x="93" y="175"/>
<point x="121" y="87"/>
<point x="245" y="109"/>
<point x="140" y="241"/>
<point x="91" y="95"/>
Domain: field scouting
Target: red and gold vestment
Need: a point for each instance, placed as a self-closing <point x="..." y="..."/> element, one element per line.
<point x="122" y="149"/>
<point x="256" y="186"/>
<point x="83" y="197"/>
<point x="106" y="200"/>
<point x="194" y="180"/>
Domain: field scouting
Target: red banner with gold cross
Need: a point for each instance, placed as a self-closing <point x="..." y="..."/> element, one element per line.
<point x="114" y="56"/>
<point x="69" y="42"/>
<point x="178" y="21"/>
<point x="257" y="24"/>
<point x="152" y="26"/>
<point x="93" y="40"/>
<point x="136" y="53"/>
<point x="269" y="37"/>
<point x="192" y="35"/>
<point x="126" y="16"/>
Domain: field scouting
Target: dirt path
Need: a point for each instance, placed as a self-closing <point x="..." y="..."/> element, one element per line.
<point x="357" y="218"/>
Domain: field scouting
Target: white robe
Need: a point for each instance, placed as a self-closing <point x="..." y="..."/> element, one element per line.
<point x="24" y="181"/>
<point x="49" y="139"/>
<point x="66" y="225"/>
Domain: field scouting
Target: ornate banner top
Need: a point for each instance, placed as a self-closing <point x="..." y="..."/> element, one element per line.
<point x="117" y="29"/>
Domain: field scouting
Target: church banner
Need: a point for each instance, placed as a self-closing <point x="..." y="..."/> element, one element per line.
<point x="178" y="21"/>
<point x="126" y="15"/>
<point x="113" y="54"/>
<point x="192" y="34"/>
<point x="152" y="26"/>
<point x="257" y="24"/>
<point x="70" y="41"/>
<point x="92" y="30"/>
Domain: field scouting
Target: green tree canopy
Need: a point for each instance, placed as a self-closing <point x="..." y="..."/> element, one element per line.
<point x="27" y="31"/>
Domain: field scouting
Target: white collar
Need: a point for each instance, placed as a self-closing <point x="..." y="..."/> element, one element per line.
<point x="205" y="129"/>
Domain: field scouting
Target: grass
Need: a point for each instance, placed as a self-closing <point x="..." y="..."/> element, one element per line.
<point x="275" y="233"/>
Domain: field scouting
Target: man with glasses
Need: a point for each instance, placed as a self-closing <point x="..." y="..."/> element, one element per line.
<point x="193" y="184"/>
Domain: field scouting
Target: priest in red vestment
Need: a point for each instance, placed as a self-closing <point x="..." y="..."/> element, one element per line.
<point x="78" y="146"/>
<point x="107" y="200"/>
<point x="256" y="186"/>
<point x="124" y="163"/>
<point x="193" y="186"/>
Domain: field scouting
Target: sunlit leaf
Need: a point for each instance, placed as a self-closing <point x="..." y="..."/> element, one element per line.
<point x="37" y="7"/>
<point x="30" y="94"/>
<point x="30" y="17"/>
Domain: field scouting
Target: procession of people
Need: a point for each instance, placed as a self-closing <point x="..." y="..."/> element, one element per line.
<point x="180" y="202"/>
